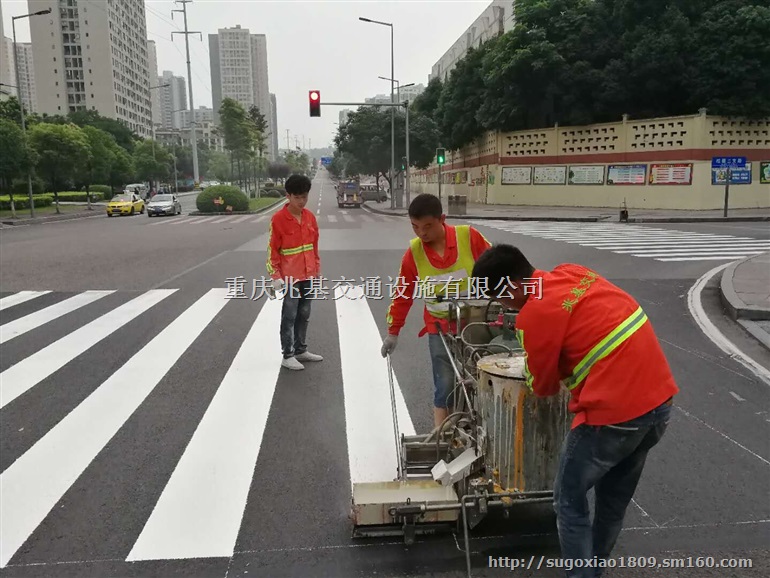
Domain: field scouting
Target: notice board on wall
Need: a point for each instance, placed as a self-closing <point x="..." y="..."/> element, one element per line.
<point x="550" y="175"/>
<point x="626" y="174"/>
<point x="671" y="174"/>
<point x="516" y="176"/>
<point x="586" y="175"/>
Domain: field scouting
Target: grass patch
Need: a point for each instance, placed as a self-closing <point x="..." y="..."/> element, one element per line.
<point x="257" y="204"/>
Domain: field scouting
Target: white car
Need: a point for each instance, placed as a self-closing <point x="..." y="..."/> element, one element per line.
<point x="163" y="204"/>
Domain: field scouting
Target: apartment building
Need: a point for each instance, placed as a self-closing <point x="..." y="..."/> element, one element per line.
<point x="5" y="69"/>
<point x="173" y="99"/>
<point x="273" y="125"/>
<point x="203" y="115"/>
<point x="497" y="18"/>
<point x="93" y="55"/>
<point x="152" y="64"/>
<point x="239" y="71"/>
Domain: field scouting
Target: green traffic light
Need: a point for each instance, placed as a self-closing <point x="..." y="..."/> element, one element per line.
<point x="440" y="156"/>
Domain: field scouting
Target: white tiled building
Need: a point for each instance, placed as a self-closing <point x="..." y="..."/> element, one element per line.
<point x="239" y="71"/>
<point x="93" y="55"/>
<point x="173" y="99"/>
<point x="152" y="63"/>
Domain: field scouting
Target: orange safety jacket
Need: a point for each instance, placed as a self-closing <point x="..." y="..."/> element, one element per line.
<point x="292" y="250"/>
<point x="588" y="335"/>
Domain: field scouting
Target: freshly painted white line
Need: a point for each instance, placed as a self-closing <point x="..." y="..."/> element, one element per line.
<point x="34" y="320"/>
<point x="695" y="306"/>
<point x="736" y="396"/>
<point x="200" y="510"/>
<point x="34" y="483"/>
<point x="23" y="376"/>
<point x="368" y="413"/>
<point x="20" y="297"/>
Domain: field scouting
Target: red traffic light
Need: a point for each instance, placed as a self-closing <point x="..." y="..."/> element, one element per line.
<point x="315" y="103"/>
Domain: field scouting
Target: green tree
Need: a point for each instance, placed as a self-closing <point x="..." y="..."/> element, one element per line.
<point x="61" y="150"/>
<point x="16" y="157"/>
<point x="151" y="161"/>
<point x="122" y="170"/>
<point x="238" y="133"/>
<point x="122" y="134"/>
<point x="99" y="167"/>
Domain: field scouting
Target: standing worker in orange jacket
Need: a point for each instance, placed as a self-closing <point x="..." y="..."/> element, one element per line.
<point x="441" y="253"/>
<point x="583" y="332"/>
<point x="292" y="255"/>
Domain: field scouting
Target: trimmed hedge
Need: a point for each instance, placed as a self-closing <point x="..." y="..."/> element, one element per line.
<point x="232" y="196"/>
<point x="22" y="202"/>
<point x="274" y="193"/>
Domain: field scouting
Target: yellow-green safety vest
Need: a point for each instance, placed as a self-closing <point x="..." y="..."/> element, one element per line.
<point x="435" y="281"/>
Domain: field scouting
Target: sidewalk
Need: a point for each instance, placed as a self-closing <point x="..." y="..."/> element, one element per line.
<point x="589" y="214"/>
<point x="745" y="293"/>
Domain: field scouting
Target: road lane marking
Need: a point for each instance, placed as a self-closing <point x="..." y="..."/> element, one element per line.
<point x="332" y="218"/>
<point x="736" y="396"/>
<point x="20" y="297"/>
<point x="348" y="218"/>
<point x="34" y="320"/>
<point x="199" y="220"/>
<point x="695" y="305"/>
<point x="368" y="414"/>
<point x="35" y="482"/>
<point x="200" y="511"/>
<point x="242" y="218"/>
<point x="705" y="258"/>
<point x="23" y="376"/>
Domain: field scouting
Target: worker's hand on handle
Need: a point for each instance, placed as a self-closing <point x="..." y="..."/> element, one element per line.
<point x="389" y="345"/>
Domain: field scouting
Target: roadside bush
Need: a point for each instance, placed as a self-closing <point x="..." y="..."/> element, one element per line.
<point x="273" y="193"/>
<point x="106" y="190"/>
<point x="22" y="202"/>
<point x="78" y="196"/>
<point x="20" y="187"/>
<point x="232" y="196"/>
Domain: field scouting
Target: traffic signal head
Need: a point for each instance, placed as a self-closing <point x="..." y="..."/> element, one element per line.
<point x="315" y="103"/>
<point x="403" y="163"/>
<point x="440" y="156"/>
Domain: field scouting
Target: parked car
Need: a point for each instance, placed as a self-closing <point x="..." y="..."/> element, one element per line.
<point x="164" y="204"/>
<point x="125" y="204"/>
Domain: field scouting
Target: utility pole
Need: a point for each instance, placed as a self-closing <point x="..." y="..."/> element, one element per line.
<point x="288" y="147"/>
<point x="193" y="131"/>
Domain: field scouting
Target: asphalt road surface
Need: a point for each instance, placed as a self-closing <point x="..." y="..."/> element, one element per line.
<point x="146" y="428"/>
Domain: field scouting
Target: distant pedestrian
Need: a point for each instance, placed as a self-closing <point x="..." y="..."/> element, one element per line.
<point x="292" y="262"/>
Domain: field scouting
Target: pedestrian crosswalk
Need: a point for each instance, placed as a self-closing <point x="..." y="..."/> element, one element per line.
<point x="337" y="217"/>
<point x="198" y="513"/>
<point x="660" y="244"/>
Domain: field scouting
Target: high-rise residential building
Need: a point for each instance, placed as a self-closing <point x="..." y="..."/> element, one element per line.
<point x="203" y="115"/>
<point x="402" y="95"/>
<point x="273" y="125"/>
<point x="5" y="69"/>
<point x="152" y="64"/>
<point x="344" y="114"/>
<point x="239" y="71"/>
<point x="173" y="99"/>
<point x="92" y="55"/>
<point x="26" y="70"/>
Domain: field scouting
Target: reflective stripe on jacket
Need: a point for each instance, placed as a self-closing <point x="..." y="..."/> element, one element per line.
<point x="292" y="251"/>
<point x="452" y="281"/>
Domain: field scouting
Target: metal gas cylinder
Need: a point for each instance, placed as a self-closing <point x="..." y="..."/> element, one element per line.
<point x="524" y="433"/>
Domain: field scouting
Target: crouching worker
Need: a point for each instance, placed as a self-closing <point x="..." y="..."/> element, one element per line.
<point x="444" y="254"/>
<point x="583" y="332"/>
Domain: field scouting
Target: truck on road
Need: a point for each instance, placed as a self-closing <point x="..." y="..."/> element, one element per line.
<point x="349" y="193"/>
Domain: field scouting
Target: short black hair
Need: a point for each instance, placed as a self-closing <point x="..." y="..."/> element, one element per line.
<point x="425" y="205"/>
<point x="501" y="263"/>
<point x="298" y="185"/>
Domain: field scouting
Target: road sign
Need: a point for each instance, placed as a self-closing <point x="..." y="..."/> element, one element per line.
<point x="728" y="162"/>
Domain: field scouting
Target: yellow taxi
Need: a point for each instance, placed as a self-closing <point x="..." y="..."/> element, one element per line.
<point x="125" y="204"/>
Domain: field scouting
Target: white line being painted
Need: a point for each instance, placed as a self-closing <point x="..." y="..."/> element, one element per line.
<point x="38" y="318"/>
<point x="23" y="376"/>
<point x="201" y="508"/>
<point x="368" y="414"/>
<point x="34" y="483"/>
<point x="20" y="297"/>
<point x="695" y="306"/>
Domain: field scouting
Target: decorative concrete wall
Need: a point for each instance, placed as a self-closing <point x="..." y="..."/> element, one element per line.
<point x="661" y="163"/>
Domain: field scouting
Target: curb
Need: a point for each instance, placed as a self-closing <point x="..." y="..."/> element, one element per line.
<point x="226" y="214"/>
<point x="54" y="218"/>
<point x="756" y="332"/>
<point x="697" y="219"/>
<point x="735" y="306"/>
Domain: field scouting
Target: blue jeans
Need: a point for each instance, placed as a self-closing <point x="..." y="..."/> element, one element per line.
<point x="443" y="374"/>
<point x="295" y="316"/>
<point x="609" y="459"/>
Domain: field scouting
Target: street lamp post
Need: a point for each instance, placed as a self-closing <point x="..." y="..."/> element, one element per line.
<point x="21" y="102"/>
<point x="392" y="111"/>
<point x="406" y="108"/>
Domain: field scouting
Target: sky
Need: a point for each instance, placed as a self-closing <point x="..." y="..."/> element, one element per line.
<point x="311" y="45"/>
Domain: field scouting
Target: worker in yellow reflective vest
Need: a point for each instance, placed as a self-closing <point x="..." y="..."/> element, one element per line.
<point x="584" y="333"/>
<point x="438" y="262"/>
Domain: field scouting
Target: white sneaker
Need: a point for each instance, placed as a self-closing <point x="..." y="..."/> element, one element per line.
<point x="292" y="363"/>
<point x="307" y="356"/>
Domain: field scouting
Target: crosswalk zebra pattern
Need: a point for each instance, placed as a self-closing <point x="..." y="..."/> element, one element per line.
<point x="660" y="244"/>
<point x="199" y="512"/>
<point x="340" y="217"/>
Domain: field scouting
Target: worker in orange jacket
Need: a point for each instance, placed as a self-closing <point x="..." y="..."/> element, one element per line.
<point x="581" y="332"/>
<point x="293" y="262"/>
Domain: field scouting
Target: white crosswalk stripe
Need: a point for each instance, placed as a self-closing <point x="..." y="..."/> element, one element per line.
<point x="200" y="511"/>
<point x="245" y="220"/>
<point x="667" y="245"/>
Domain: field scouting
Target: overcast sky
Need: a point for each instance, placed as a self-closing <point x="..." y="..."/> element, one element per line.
<point x="310" y="45"/>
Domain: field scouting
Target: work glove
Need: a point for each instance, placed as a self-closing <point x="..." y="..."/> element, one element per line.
<point x="278" y="285"/>
<point x="389" y="345"/>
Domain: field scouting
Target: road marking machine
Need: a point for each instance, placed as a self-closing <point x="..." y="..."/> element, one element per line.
<point x="499" y="448"/>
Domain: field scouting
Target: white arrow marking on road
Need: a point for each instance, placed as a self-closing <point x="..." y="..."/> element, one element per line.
<point x="200" y="511"/>
<point x="35" y="320"/>
<point x="19" y="297"/>
<point x="26" y="374"/>
<point x="368" y="414"/>
<point x="35" y="482"/>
